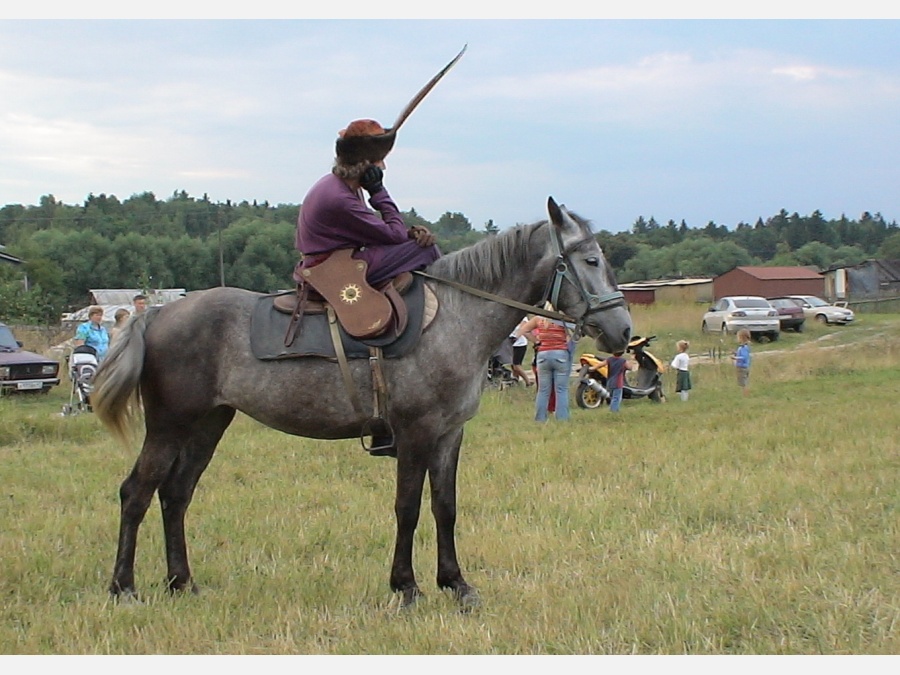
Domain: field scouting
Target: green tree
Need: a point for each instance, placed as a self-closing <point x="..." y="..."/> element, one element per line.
<point x="783" y="257"/>
<point x="848" y="256"/>
<point x="617" y="248"/>
<point x="453" y="224"/>
<point x="818" y="229"/>
<point x="890" y="247"/>
<point x="18" y="304"/>
<point x="259" y="256"/>
<point x="411" y="218"/>
<point x="815" y="253"/>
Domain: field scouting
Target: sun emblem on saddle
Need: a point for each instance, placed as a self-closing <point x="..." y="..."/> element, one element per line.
<point x="350" y="293"/>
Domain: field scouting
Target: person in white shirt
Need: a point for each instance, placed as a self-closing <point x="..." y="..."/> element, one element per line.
<point x="682" y="363"/>
<point x="520" y="346"/>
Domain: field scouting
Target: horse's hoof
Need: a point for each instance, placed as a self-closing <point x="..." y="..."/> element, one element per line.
<point x="468" y="598"/>
<point x="409" y="597"/>
<point x="129" y="597"/>
<point x="187" y="587"/>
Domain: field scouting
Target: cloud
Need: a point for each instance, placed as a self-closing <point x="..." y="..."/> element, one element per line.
<point x="666" y="88"/>
<point x="689" y="119"/>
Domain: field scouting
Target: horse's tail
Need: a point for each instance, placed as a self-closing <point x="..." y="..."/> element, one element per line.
<point x="116" y="396"/>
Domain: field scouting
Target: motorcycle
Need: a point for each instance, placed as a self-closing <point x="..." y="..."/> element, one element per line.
<point x="646" y="381"/>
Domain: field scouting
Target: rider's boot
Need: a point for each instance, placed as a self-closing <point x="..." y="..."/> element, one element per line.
<point x="383" y="446"/>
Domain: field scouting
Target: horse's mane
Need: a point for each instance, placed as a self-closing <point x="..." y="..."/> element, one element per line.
<point x="487" y="259"/>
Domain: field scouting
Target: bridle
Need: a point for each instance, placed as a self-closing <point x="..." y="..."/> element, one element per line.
<point x="563" y="270"/>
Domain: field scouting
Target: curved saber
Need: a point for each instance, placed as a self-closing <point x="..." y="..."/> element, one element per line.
<point x="423" y="92"/>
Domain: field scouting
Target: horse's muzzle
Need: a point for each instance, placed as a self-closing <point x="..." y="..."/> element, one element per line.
<point x="610" y="328"/>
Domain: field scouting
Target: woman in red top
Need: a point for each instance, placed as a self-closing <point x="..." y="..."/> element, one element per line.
<point x="551" y="341"/>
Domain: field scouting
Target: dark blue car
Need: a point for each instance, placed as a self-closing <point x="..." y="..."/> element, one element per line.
<point x="22" y="371"/>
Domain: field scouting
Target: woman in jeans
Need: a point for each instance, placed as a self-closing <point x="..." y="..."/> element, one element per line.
<point x="551" y="344"/>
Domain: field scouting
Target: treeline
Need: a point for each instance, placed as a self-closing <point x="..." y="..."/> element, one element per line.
<point x="194" y="243"/>
<point x="653" y="251"/>
<point x="145" y="242"/>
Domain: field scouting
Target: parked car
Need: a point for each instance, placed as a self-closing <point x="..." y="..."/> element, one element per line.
<point x="734" y="312"/>
<point x="22" y="371"/>
<point x="818" y="310"/>
<point x="790" y="313"/>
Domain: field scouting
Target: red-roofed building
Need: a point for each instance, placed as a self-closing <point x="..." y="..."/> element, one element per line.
<point x="769" y="282"/>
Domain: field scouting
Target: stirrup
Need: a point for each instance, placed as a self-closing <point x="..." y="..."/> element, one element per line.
<point x="383" y="439"/>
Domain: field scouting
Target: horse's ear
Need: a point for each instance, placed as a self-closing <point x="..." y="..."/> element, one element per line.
<point x="556" y="214"/>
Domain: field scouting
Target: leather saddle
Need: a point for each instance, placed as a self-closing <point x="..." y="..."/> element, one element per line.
<point x="339" y="281"/>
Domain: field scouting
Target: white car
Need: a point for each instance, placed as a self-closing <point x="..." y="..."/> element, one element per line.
<point x="734" y="312"/>
<point x="818" y="310"/>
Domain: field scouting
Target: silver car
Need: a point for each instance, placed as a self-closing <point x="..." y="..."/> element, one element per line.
<point x="818" y="310"/>
<point x="734" y="312"/>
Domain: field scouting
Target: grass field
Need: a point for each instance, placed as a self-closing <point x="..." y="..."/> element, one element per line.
<point x="724" y="525"/>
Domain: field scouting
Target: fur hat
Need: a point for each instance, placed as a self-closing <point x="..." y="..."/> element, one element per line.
<point x="364" y="140"/>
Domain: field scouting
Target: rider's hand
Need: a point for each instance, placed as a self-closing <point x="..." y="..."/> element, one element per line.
<point x="422" y="235"/>
<point x="371" y="180"/>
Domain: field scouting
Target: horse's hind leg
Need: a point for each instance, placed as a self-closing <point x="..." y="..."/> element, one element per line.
<point x="407" y="504"/>
<point x="156" y="464"/>
<point x="177" y="490"/>
<point x="442" y="470"/>
<point x="135" y="494"/>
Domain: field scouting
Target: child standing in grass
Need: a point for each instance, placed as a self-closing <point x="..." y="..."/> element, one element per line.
<point x="741" y="359"/>
<point x="682" y="363"/>
<point x="616" y="367"/>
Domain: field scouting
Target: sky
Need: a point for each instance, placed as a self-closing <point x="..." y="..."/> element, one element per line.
<point x="712" y="119"/>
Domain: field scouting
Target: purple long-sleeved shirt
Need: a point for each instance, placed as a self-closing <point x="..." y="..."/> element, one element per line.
<point x="333" y="216"/>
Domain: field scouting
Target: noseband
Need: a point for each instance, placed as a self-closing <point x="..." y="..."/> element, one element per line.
<point x="564" y="269"/>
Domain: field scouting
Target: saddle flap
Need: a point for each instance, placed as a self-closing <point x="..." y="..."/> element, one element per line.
<point x="362" y="311"/>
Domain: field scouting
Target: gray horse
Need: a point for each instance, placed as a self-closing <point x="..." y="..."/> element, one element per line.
<point x="189" y="364"/>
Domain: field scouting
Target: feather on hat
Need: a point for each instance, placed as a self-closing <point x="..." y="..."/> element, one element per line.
<point x="366" y="140"/>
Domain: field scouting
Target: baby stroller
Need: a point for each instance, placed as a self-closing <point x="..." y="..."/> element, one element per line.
<point x="82" y="368"/>
<point x="498" y="374"/>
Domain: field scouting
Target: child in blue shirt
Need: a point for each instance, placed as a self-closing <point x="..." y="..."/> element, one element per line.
<point x="741" y="359"/>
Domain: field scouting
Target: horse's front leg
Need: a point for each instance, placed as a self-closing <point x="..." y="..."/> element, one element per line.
<point x="407" y="503"/>
<point x="442" y="479"/>
<point x="198" y="444"/>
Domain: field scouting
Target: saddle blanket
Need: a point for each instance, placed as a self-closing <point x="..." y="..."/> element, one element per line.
<point x="268" y="327"/>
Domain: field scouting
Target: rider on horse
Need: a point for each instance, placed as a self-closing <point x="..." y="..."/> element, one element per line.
<point x="334" y="214"/>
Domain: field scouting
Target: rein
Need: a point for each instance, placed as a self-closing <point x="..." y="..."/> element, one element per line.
<point x="563" y="270"/>
<point x="471" y="290"/>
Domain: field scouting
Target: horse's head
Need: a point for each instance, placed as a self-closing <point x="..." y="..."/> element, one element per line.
<point x="584" y="285"/>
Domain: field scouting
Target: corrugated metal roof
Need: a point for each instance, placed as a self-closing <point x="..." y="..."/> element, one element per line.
<point x="113" y="299"/>
<point x="780" y="272"/>
<point x="657" y="283"/>
<point x="124" y="296"/>
<point x="890" y="268"/>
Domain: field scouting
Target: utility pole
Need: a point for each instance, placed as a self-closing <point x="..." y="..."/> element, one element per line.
<point x="221" y="256"/>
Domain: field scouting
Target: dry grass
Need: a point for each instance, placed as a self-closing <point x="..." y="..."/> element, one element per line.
<point x="724" y="525"/>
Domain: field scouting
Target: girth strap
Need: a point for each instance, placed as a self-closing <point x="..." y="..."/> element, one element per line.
<point x="342" y="359"/>
<point x="378" y="423"/>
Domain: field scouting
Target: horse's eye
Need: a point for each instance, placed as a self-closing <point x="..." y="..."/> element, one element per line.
<point x="593" y="261"/>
